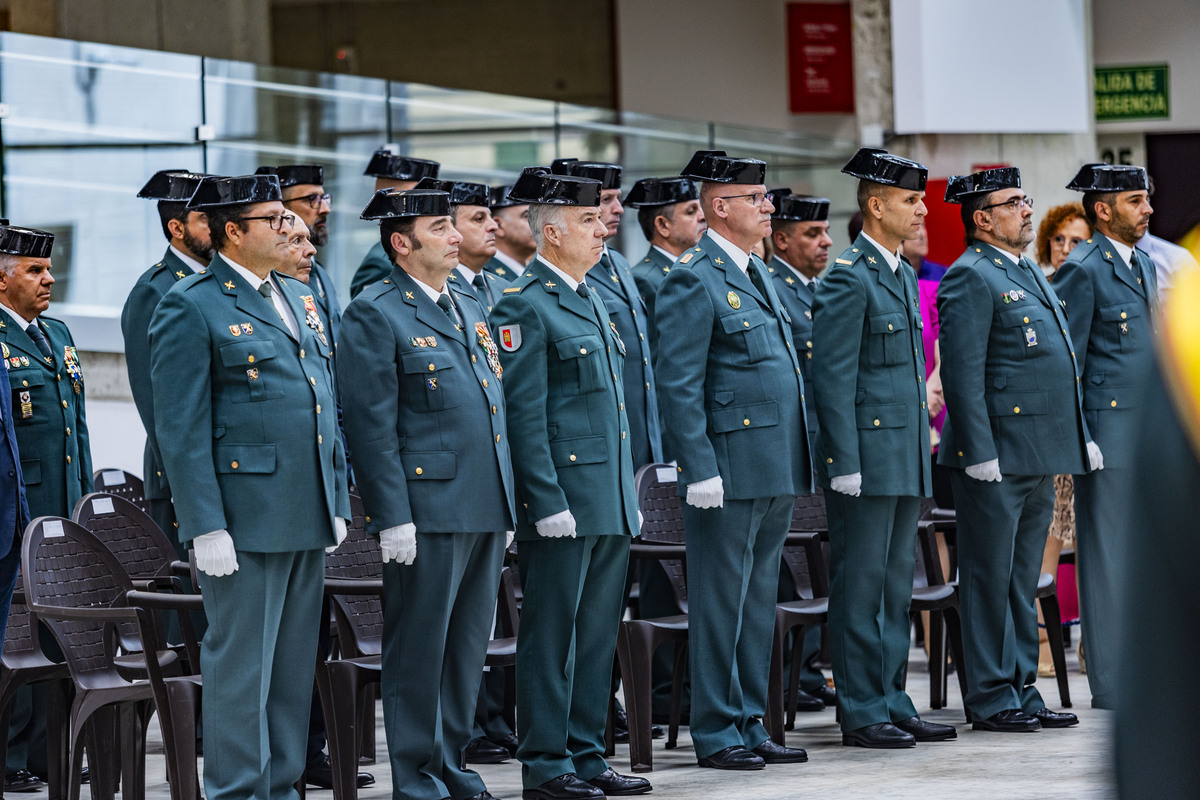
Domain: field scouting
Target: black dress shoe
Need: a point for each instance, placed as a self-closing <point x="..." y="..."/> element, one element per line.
<point x="481" y="751"/>
<point x="564" y="787"/>
<point x="509" y="742"/>
<point x="319" y="773"/>
<point x="825" y="693"/>
<point x="23" y="781"/>
<point x="881" y="736"/>
<point x="1055" y="719"/>
<point x="772" y="753"/>
<point x="484" y="795"/>
<point x="806" y="702"/>
<point x="1012" y="720"/>
<point x="614" y="783"/>
<point x="736" y="757"/>
<point x="924" y="731"/>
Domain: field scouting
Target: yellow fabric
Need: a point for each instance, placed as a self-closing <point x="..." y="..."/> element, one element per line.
<point x="1181" y="350"/>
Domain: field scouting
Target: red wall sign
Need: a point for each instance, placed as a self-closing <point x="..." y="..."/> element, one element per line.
<point x="820" y="63"/>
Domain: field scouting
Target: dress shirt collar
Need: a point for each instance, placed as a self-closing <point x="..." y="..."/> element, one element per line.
<point x="516" y="266"/>
<point x="574" y="284"/>
<point x="248" y="276"/>
<point x="892" y="259"/>
<point x="800" y="276"/>
<point x="739" y="256"/>
<point x="191" y="263"/>
<point x="1124" y="251"/>
<point x="666" y="253"/>
<point x="467" y="273"/>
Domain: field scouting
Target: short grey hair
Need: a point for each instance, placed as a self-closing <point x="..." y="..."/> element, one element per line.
<point x="8" y="262"/>
<point x="543" y="214"/>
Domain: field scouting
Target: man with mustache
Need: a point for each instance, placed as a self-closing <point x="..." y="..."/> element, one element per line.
<point x="1110" y="290"/>
<point x="1014" y="421"/>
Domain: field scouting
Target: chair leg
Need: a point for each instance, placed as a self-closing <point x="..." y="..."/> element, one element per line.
<point x="774" y="716"/>
<point x="58" y="726"/>
<point x="677" y="679"/>
<point x="793" y="691"/>
<point x="634" y="650"/>
<point x="1053" y="618"/>
<point x="935" y="637"/>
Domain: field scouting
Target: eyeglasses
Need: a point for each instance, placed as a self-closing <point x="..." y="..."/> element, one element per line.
<point x="1013" y="204"/>
<point x="755" y="199"/>
<point x="277" y="221"/>
<point x="314" y="200"/>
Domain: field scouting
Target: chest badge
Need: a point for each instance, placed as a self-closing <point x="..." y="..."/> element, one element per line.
<point x="735" y="302"/>
<point x="26" y="405"/>
<point x="510" y="338"/>
<point x="235" y="330"/>
<point x="1030" y="337"/>
<point x="71" y="362"/>
<point x="313" y="319"/>
<point x="1124" y="328"/>
<point x="252" y="373"/>
<point x="484" y="337"/>
<point x="1013" y="296"/>
<point x="247" y="328"/>
<point x="617" y="336"/>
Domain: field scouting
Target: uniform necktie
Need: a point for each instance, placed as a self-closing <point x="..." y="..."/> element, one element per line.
<point x="39" y="339"/>
<point x="481" y="287"/>
<point x="444" y="304"/>
<point x="264" y="289"/>
<point x="756" y="278"/>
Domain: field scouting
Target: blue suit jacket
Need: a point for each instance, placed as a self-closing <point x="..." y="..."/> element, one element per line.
<point x="731" y="390"/>
<point x="245" y="414"/>
<point x="1110" y="312"/>
<point x="424" y="411"/>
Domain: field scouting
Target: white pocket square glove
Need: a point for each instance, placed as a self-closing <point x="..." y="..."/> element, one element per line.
<point x="339" y="534"/>
<point x="1095" y="457"/>
<point x="557" y="525"/>
<point x="399" y="543"/>
<point x="508" y="537"/>
<point x="987" y="471"/>
<point x="708" y="493"/>
<point x="215" y="554"/>
<point x="847" y="484"/>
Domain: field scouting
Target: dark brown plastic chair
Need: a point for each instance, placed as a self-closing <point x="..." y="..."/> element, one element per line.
<point x="122" y="484"/>
<point x="76" y="586"/>
<point x="662" y="539"/>
<point x="932" y="593"/>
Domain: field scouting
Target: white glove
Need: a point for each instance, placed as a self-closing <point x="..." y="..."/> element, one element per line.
<point x="641" y="519"/>
<point x="847" y="484"/>
<point x="215" y="554"/>
<point x="339" y="534"/>
<point x="1095" y="457"/>
<point x="508" y="537"/>
<point x="987" y="471"/>
<point x="557" y="525"/>
<point x="708" y="493"/>
<point x="399" y="543"/>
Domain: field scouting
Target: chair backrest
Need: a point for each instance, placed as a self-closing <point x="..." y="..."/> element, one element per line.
<point x="22" y="649"/>
<point x="508" y="610"/>
<point x="133" y="537"/>
<point x="67" y="567"/>
<point x="122" y="484"/>
<point x="359" y="617"/>
<point x="808" y="512"/>
<point x="662" y="521"/>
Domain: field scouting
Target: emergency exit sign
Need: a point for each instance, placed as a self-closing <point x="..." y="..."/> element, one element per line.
<point x="1140" y="92"/>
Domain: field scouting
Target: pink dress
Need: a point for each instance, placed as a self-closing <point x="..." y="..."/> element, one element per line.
<point x="929" y="335"/>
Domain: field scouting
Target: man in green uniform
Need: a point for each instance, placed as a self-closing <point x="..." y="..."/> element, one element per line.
<point x="569" y="436"/>
<point x="1014" y="421"/>
<point x="669" y="214"/>
<point x="868" y="372"/>
<point x="417" y="363"/>
<point x="14" y="508"/>
<point x="731" y="392"/>
<point x="390" y="172"/>
<point x="188" y="251"/>
<point x="800" y="234"/>
<point x="514" y="241"/>
<point x="1111" y="294"/>
<point x="258" y="476"/>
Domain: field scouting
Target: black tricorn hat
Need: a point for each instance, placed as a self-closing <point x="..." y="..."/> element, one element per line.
<point x="1110" y="178"/>
<point x="609" y="175"/>
<point x="384" y="164"/>
<point x="240" y="190"/>
<point x="174" y="185"/>
<point x="28" y="242"/>
<point x="794" y="208"/>
<point x="394" y="203"/>
<point x="462" y="193"/>
<point x="879" y="166"/>
<point x="650" y="192"/>
<point x="536" y="185"/>
<point x="295" y="174"/>
<point x="777" y="196"/>
<point x="715" y="166"/>
<point x="498" y="197"/>
<point x="960" y="187"/>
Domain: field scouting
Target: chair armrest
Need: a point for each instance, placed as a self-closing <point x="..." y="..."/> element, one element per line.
<point x="353" y="586"/>
<point x="170" y="602"/>
<point x="657" y="552"/>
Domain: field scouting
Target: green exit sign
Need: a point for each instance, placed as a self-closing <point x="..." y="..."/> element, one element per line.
<point x="1132" y="93"/>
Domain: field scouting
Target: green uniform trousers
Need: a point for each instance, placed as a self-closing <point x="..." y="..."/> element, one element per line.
<point x="1101" y="502"/>
<point x="872" y="541"/>
<point x="258" y="659"/>
<point x="733" y="557"/>
<point x="1002" y="531"/>
<point x="569" y="619"/>
<point x="437" y="619"/>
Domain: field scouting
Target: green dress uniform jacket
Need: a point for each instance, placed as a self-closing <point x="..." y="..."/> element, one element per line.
<point x="494" y="284"/>
<point x="649" y="274"/>
<point x="49" y="416"/>
<point x="1011" y="379"/>
<point x="613" y="282"/>
<point x="495" y="266"/>
<point x="135" y="327"/>
<point x="375" y="266"/>
<point x="424" y="413"/>
<point x="732" y="399"/>
<point x="798" y="300"/>
<point x="868" y="369"/>
<point x="1111" y="310"/>
<point x="327" y="300"/>
<point x="569" y="436"/>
